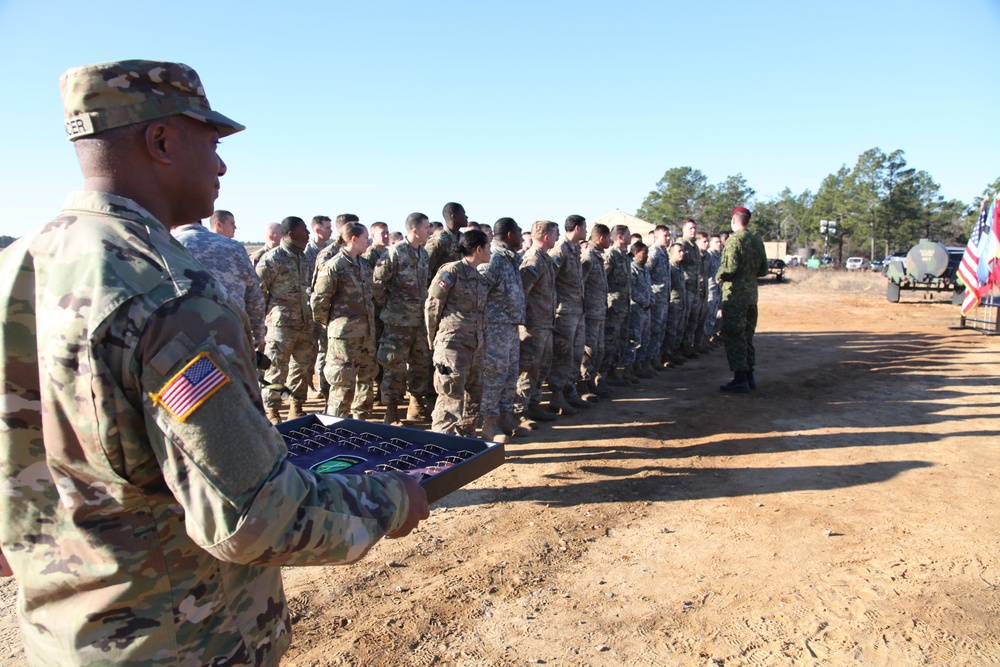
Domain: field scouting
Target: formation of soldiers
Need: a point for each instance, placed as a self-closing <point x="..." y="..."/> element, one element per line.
<point x="468" y="325"/>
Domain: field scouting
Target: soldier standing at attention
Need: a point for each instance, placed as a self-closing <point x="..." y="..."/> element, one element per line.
<point x="640" y="303"/>
<point x="229" y="263"/>
<point x="342" y="304"/>
<point x="401" y="291"/>
<point x="714" y="291"/>
<point x="675" y="313"/>
<point x="272" y="237"/>
<point x="692" y="275"/>
<point x="322" y="228"/>
<point x="443" y="246"/>
<point x="659" y="279"/>
<point x="616" y="265"/>
<point x="379" y="232"/>
<point x="456" y="317"/>
<point x="146" y="525"/>
<point x="223" y="223"/>
<point x="504" y="314"/>
<point x="568" y="335"/>
<point x="285" y="274"/>
<point x="538" y="280"/>
<point x="743" y="261"/>
<point x="595" y="309"/>
<point x="329" y="250"/>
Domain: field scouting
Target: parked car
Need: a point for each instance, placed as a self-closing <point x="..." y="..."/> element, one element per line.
<point x="876" y="265"/>
<point x="854" y="263"/>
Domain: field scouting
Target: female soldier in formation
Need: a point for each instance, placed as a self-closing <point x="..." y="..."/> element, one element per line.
<point x="456" y="317"/>
<point x="342" y="302"/>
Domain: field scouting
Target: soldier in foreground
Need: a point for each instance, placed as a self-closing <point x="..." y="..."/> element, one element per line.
<point x="743" y="261"/>
<point x="146" y="524"/>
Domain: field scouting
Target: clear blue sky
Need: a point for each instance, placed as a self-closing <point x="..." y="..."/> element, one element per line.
<point x="527" y="109"/>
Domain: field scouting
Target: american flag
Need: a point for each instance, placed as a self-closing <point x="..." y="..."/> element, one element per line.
<point x="968" y="270"/>
<point x="189" y="388"/>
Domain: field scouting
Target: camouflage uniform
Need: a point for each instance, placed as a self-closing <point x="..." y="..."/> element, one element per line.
<point x="342" y="303"/>
<point x="455" y="316"/>
<point x="371" y="258"/>
<point x="674" y="331"/>
<point x="595" y="308"/>
<point x="712" y="319"/>
<point x="743" y="261"/>
<point x="640" y="305"/>
<point x="285" y="274"/>
<point x="659" y="279"/>
<point x="140" y="531"/>
<point x="373" y="255"/>
<point x="616" y="265"/>
<point x="691" y="265"/>
<point x="257" y="254"/>
<point x="539" y="282"/>
<point x="702" y="313"/>
<point x="504" y="314"/>
<point x="228" y="262"/>
<point x="568" y="334"/>
<point x="441" y="249"/>
<point x="401" y="291"/>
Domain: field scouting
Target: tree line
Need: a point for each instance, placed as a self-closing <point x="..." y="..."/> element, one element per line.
<point x="881" y="205"/>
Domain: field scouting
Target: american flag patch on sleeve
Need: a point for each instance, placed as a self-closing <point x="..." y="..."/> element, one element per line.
<point x="192" y="386"/>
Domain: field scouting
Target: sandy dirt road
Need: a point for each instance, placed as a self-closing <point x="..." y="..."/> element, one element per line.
<point x="844" y="513"/>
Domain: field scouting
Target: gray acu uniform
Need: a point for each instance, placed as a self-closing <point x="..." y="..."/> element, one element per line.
<point x="401" y="277"/>
<point x="568" y="332"/>
<point x="595" y="308"/>
<point x="538" y="279"/>
<point x="342" y="302"/>
<point x="285" y="275"/>
<point x="504" y="314"/>
<point x="456" y="315"/>
<point x="228" y="261"/>
<point x="641" y="303"/>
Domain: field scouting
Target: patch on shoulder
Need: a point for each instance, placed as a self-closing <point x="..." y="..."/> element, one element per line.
<point x="445" y="280"/>
<point x="186" y="391"/>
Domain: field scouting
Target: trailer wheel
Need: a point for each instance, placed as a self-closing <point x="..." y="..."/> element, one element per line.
<point x="892" y="292"/>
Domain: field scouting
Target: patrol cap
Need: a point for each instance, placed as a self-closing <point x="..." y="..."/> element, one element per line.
<point x="109" y="95"/>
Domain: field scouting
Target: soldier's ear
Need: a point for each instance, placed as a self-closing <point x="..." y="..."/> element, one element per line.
<point x="159" y="137"/>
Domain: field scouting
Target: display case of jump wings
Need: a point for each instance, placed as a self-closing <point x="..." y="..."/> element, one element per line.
<point x="446" y="463"/>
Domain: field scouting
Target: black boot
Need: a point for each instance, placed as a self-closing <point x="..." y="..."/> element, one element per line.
<point x="738" y="385"/>
<point x="750" y="381"/>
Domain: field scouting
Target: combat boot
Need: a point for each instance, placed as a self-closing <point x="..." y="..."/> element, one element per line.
<point x="585" y="393"/>
<point x="559" y="403"/>
<point x="750" y="381"/>
<point x="297" y="409"/>
<point x="658" y="365"/>
<point x="536" y="412"/>
<point x="599" y="386"/>
<point x="615" y="378"/>
<point x="738" y="385"/>
<point x="521" y="417"/>
<point x="630" y="375"/>
<point x="640" y="371"/>
<point x="491" y="430"/>
<point x="360" y="415"/>
<point x="511" y="425"/>
<point x="273" y="413"/>
<point x="391" y="412"/>
<point x="573" y="398"/>
<point x="417" y="410"/>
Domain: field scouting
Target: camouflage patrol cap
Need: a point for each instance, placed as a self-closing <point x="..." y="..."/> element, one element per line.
<point x="108" y="95"/>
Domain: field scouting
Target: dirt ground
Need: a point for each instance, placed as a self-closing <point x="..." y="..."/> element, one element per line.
<point x="844" y="513"/>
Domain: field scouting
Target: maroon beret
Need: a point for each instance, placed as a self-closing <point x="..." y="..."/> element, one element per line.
<point x="740" y="209"/>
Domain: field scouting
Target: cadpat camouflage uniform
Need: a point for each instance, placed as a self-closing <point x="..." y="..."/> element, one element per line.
<point x="143" y="529"/>
<point x="616" y="265"/>
<point x="692" y="267"/>
<point x="674" y="331"/>
<point x="342" y="303"/>
<point x="743" y="261"/>
<point x="455" y="316"/>
<point x="595" y="307"/>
